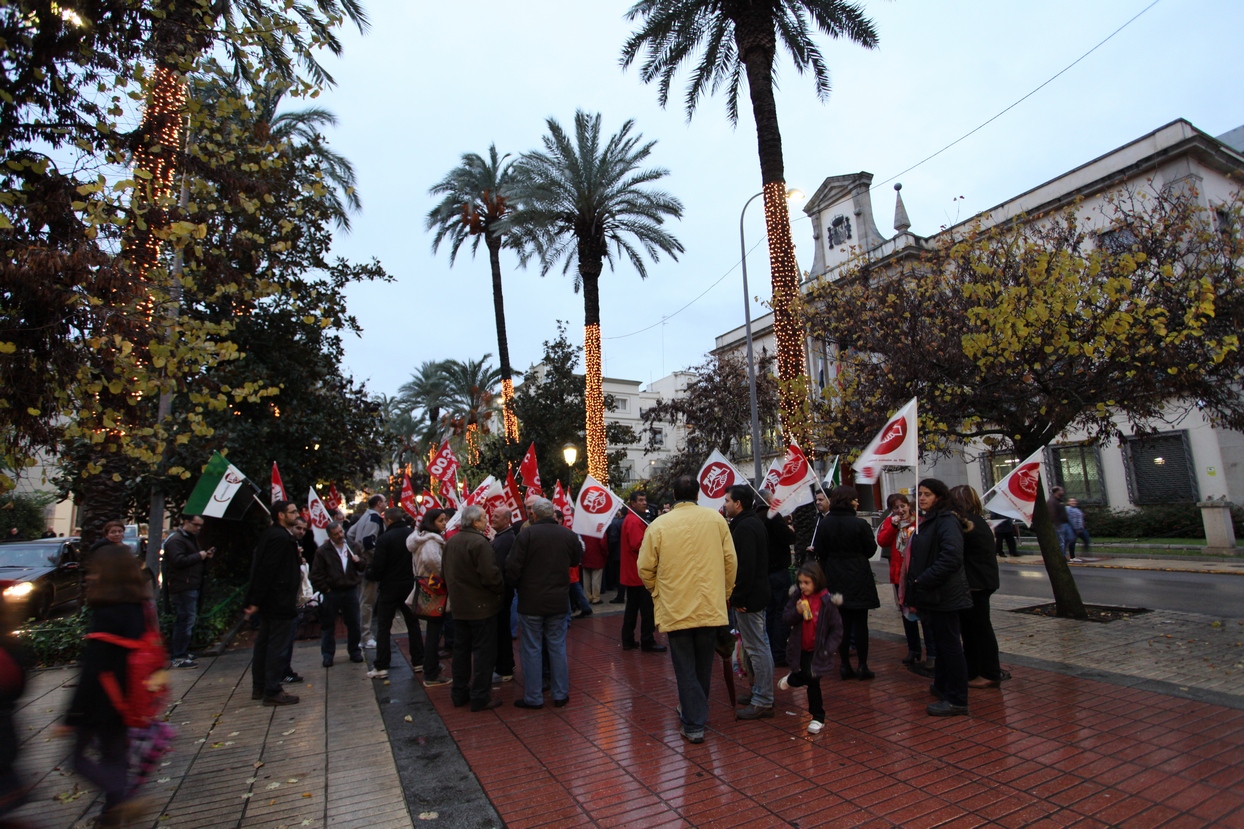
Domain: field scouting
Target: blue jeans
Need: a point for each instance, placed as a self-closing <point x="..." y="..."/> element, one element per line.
<point x="1066" y="538"/>
<point x="186" y="610"/>
<point x="778" y="630"/>
<point x="346" y="603"/>
<point x="552" y="630"/>
<point x="751" y="627"/>
<point x="692" y="651"/>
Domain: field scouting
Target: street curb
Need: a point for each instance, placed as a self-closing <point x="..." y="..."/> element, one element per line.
<point x="435" y="776"/>
<point x="1156" y="686"/>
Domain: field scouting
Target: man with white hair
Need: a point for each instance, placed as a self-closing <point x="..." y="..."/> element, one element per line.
<point x="470" y="570"/>
<point x="539" y="568"/>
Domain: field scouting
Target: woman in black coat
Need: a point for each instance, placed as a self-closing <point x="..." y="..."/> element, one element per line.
<point x="980" y="563"/>
<point x="843" y="544"/>
<point x="938" y="587"/>
<point x="117" y="594"/>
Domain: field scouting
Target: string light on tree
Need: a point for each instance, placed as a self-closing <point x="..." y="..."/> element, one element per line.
<point x="786" y="326"/>
<point x="507" y="412"/>
<point x="594" y="403"/>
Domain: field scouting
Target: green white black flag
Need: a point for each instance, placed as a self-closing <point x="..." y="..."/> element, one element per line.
<point x="221" y="492"/>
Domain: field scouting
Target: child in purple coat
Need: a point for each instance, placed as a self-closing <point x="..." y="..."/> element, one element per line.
<point x="815" y="634"/>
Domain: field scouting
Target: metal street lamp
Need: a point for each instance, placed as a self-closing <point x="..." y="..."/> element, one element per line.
<point x="747" y="325"/>
<point x="570" y="453"/>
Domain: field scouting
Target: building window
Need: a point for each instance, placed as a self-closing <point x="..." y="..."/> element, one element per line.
<point x="995" y="467"/>
<point x="1077" y="469"/>
<point x="1118" y="241"/>
<point x="621" y="404"/>
<point x="658" y="438"/>
<point x="1159" y="469"/>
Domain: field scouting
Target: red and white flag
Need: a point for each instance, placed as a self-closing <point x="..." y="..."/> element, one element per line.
<point x="561" y="502"/>
<point x="595" y="508"/>
<point x="716" y="477"/>
<point x="517" y="513"/>
<point x="894" y="445"/>
<point x="334" y="499"/>
<point x="317" y="517"/>
<point x="429" y="502"/>
<point x="480" y="493"/>
<point x="1015" y="496"/>
<point x="407" y="500"/>
<point x="278" y="488"/>
<point x="444" y="465"/>
<point x="771" y="477"/>
<point x="487" y="495"/>
<point x="795" y="483"/>
<point x="449" y="491"/>
<point x="529" y="471"/>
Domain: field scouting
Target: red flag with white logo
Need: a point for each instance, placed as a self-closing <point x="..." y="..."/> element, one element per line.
<point x="716" y="477"/>
<point x="444" y="465"/>
<point x="278" y="488"/>
<point x="517" y="512"/>
<point x="894" y="445"/>
<point x="529" y="471"/>
<point x="594" y="508"/>
<point x="449" y="491"/>
<point x="1015" y="496"/>
<point x="561" y="502"/>
<point x="429" y="502"/>
<point x="407" y="500"/>
<point x="794" y="485"/>
<point x="487" y="495"/>
<point x="317" y="517"/>
<point x="334" y="499"/>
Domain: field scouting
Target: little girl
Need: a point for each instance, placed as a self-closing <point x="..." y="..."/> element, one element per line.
<point x="816" y="632"/>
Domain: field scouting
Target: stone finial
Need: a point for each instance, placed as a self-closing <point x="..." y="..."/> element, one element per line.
<point x="901" y="222"/>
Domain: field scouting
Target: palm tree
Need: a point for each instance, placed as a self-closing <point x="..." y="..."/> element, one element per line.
<point x="423" y="396"/>
<point x="476" y="200"/>
<point x="470" y="400"/>
<point x="575" y="199"/>
<point x="733" y="37"/>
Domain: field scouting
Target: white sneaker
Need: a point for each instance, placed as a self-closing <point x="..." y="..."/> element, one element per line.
<point x="785" y="686"/>
<point x="377" y="673"/>
<point x="369" y="642"/>
<point x="815" y="727"/>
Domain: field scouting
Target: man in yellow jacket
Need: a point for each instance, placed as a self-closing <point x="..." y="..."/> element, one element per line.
<point x="687" y="563"/>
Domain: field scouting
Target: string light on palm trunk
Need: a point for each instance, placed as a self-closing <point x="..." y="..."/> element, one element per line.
<point x="786" y="327"/>
<point x="594" y="403"/>
<point x="507" y="413"/>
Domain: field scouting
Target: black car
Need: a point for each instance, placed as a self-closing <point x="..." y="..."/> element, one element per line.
<point x="43" y="573"/>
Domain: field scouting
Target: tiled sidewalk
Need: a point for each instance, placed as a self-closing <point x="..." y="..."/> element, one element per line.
<point x="1049" y="750"/>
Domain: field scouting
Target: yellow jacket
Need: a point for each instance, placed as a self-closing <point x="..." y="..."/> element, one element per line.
<point x="687" y="562"/>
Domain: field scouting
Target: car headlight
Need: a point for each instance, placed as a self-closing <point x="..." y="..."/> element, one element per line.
<point x="19" y="591"/>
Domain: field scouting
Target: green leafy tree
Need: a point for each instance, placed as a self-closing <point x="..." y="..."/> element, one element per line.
<point x="733" y="38"/>
<point x="476" y="199"/>
<point x="577" y="197"/>
<point x="1014" y="334"/>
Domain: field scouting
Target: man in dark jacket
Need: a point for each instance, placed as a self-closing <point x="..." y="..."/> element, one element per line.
<point x="613" y="538"/>
<point x="474" y="582"/>
<point x="750" y="599"/>
<point x="275" y="579"/>
<point x="391" y="569"/>
<point x="780" y="537"/>
<point x="539" y="567"/>
<point x="183" y="564"/>
<point x="504" y="534"/>
<point x="335" y="574"/>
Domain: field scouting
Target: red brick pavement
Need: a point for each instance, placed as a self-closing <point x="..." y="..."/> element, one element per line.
<point x="1048" y="751"/>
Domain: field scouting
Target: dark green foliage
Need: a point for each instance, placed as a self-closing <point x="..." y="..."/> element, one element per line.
<point x="57" y="641"/>
<point x="24" y="511"/>
<point x="1153" y="521"/>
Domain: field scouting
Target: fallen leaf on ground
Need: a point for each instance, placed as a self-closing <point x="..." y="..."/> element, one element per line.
<point x="164" y="779"/>
<point x="307" y="794"/>
<point x="276" y="785"/>
<point x="428" y="815"/>
<point x="287" y="733"/>
<point x="408" y="718"/>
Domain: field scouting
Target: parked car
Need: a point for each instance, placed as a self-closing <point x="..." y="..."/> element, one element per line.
<point x="44" y="574"/>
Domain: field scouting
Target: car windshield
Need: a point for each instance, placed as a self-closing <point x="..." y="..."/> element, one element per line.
<point x="28" y="555"/>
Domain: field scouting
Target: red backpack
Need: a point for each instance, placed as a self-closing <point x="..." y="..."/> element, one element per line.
<point x="146" y="670"/>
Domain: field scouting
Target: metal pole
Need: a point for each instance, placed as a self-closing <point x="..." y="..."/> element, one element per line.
<point x="751" y="367"/>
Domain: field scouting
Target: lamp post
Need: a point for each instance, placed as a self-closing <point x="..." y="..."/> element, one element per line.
<point x="747" y="326"/>
<point x="570" y="453"/>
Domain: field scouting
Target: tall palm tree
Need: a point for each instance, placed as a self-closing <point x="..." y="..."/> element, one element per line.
<point x="424" y="396"/>
<point x="476" y="200"/>
<point x="576" y="198"/>
<point x="470" y="400"/>
<point x="733" y="37"/>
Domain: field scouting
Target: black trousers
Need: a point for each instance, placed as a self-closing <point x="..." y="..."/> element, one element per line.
<point x="980" y="644"/>
<point x="475" y="653"/>
<point x="803" y="678"/>
<point x="386" y="608"/>
<point x="505" y="639"/>
<point x="271" y="654"/>
<point x="950" y="672"/>
<point x="1009" y="540"/>
<point x="854" y="631"/>
<point x="638" y="604"/>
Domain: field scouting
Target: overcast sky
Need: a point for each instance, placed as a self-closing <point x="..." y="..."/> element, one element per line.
<point x="430" y="81"/>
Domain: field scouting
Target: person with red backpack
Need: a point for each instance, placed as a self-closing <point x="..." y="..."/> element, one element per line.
<point x="116" y="689"/>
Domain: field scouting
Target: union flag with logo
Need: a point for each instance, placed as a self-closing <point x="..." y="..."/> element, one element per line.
<point x="1015" y="496"/>
<point x="716" y="477"/>
<point x="795" y="483"/>
<point x="894" y="445"/>
<point x="595" y="508"/>
<point x="529" y="471"/>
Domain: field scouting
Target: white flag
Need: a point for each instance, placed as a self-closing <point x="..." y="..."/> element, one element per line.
<point x="319" y="517"/>
<point x="795" y="483"/>
<point x="488" y="488"/>
<point x="1015" y="496"/>
<point x="771" y="477"/>
<point x="894" y="445"/>
<point x="595" y="508"/>
<point x="716" y="477"/>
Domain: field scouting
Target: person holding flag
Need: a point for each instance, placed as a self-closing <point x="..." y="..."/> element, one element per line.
<point x="638" y="600"/>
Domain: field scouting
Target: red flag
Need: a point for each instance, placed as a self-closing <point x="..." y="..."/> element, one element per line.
<point x="530" y="472"/>
<point x="449" y="491"/>
<point x="407" y="500"/>
<point x="517" y="512"/>
<point x="334" y="499"/>
<point x="278" y="488"/>
<point x="561" y="502"/>
<point x="429" y="502"/>
<point x="444" y="465"/>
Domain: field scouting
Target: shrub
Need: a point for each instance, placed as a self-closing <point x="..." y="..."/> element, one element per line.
<point x="1153" y="521"/>
<point x="26" y="511"/>
<point x="56" y="641"/>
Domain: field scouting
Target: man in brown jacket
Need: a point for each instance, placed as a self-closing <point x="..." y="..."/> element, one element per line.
<point x="474" y="581"/>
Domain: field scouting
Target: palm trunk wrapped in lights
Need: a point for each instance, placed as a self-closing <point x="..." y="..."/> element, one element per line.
<point x="786" y="325"/>
<point x="594" y="405"/>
